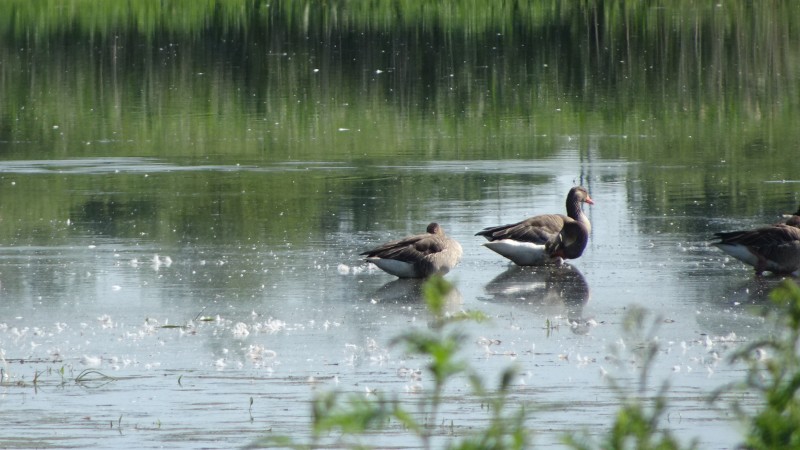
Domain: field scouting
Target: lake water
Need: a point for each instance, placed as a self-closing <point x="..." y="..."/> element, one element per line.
<point x="184" y="211"/>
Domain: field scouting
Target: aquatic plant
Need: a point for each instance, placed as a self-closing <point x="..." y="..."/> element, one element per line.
<point x="638" y="422"/>
<point x="356" y="415"/>
<point x="772" y="381"/>
<point x="90" y="378"/>
<point x="441" y="343"/>
<point x="773" y="375"/>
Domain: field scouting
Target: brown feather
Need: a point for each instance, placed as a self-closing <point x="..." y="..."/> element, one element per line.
<point x="775" y="249"/>
<point x="563" y="236"/>
<point x="428" y="253"/>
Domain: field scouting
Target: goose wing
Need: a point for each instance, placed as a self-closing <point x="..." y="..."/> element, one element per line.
<point x="765" y="237"/>
<point x="538" y="229"/>
<point x="410" y="249"/>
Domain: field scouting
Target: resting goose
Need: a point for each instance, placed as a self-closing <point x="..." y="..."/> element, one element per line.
<point x="794" y="220"/>
<point x="544" y="239"/>
<point x="417" y="256"/>
<point x="774" y="249"/>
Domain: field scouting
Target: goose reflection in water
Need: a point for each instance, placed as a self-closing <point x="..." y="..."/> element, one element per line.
<point x="409" y="291"/>
<point x="552" y="291"/>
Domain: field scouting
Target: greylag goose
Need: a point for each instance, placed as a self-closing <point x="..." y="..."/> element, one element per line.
<point x="418" y="256"/>
<point x="544" y="239"/>
<point x="773" y="249"/>
<point x="794" y="219"/>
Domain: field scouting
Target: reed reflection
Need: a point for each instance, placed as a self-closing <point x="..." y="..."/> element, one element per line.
<point x="550" y="291"/>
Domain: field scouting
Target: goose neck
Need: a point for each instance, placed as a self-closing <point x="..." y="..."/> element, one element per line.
<point x="575" y="211"/>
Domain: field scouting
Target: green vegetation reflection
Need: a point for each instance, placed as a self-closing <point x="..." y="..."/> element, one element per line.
<point x="292" y="80"/>
<point x="706" y="94"/>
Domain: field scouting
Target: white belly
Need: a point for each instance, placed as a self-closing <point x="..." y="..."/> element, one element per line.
<point x="522" y="253"/>
<point x="739" y="252"/>
<point x="397" y="268"/>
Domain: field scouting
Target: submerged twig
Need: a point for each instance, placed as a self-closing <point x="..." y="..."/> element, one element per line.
<point x="199" y="314"/>
<point x="90" y="375"/>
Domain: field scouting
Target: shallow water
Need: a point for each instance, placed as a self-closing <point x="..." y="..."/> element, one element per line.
<point x="192" y="331"/>
<point x="183" y="198"/>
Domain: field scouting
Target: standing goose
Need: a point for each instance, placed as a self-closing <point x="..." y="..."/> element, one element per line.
<point x="774" y="249"/>
<point x="544" y="239"/>
<point x="417" y="256"/>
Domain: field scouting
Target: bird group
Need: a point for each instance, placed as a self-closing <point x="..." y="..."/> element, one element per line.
<point x="538" y="240"/>
<point x="549" y="239"/>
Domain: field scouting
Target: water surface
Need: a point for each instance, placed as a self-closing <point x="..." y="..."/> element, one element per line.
<point x="182" y="208"/>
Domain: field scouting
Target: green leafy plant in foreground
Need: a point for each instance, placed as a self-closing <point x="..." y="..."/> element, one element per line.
<point x="638" y="422"/>
<point x="352" y="415"/>
<point x="773" y="380"/>
<point x="773" y="375"/>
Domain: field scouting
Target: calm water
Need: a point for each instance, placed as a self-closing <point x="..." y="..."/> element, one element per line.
<point x="184" y="213"/>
